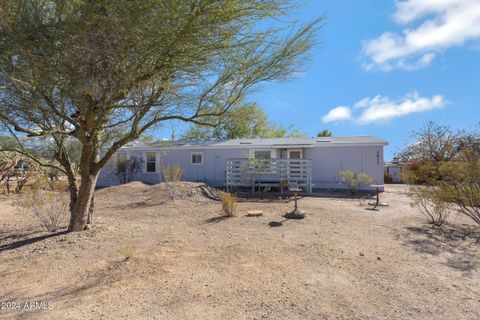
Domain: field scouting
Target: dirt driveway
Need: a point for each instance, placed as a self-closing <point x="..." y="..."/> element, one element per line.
<point x="188" y="262"/>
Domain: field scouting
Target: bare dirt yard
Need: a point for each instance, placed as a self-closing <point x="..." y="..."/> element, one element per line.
<point x="188" y="262"/>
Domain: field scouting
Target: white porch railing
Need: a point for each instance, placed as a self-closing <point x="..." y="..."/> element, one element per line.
<point x="297" y="173"/>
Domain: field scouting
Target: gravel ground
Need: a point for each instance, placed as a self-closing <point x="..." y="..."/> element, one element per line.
<point x="186" y="261"/>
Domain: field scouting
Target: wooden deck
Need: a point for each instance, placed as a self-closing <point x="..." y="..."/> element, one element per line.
<point x="256" y="173"/>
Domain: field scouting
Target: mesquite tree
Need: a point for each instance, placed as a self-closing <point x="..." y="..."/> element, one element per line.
<point x="100" y="71"/>
<point x="447" y="166"/>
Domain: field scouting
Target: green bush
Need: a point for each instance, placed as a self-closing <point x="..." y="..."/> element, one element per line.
<point x="354" y="180"/>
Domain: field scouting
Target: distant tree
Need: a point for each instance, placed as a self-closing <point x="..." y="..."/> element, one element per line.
<point x="281" y="131"/>
<point x="324" y="133"/>
<point x="147" y="139"/>
<point x="7" y="142"/>
<point x="433" y="143"/>
<point x="447" y="166"/>
<point x="244" y="121"/>
<point x="101" y="71"/>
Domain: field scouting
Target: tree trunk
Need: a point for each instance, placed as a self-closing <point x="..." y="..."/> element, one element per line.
<point x="73" y="189"/>
<point x="84" y="199"/>
<point x="91" y="210"/>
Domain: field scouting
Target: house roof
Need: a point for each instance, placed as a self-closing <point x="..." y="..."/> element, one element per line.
<point x="270" y="142"/>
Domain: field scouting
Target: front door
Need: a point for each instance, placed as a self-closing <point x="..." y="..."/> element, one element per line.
<point x="295" y="175"/>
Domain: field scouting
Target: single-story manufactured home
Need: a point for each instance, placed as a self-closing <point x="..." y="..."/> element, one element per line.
<point x="305" y="163"/>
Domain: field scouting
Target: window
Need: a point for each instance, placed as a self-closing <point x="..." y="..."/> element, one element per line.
<point x="122" y="163"/>
<point x="151" y="160"/>
<point x="262" y="154"/>
<point x="295" y="154"/>
<point x="197" y="158"/>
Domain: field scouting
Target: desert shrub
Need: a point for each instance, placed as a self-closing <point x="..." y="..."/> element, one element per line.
<point x="172" y="175"/>
<point x="354" y="180"/>
<point x="431" y="203"/>
<point x="387" y="178"/>
<point x="229" y="204"/>
<point x="14" y="179"/>
<point x="456" y="182"/>
<point x="461" y="186"/>
<point x="59" y="185"/>
<point x="363" y="201"/>
<point x="283" y="184"/>
<point x="39" y="180"/>
<point x="128" y="249"/>
<point x="49" y="208"/>
<point x="8" y="161"/>
<point x="448" y="162"/>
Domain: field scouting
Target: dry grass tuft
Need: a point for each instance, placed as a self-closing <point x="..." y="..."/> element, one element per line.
<point x="49" y="208"/>
<point x="229" y="204"/>
<point x="128" y="249"/>
<point x="172" y="175"/>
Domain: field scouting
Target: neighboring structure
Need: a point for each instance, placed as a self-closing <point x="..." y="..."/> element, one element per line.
<point x="301" y="162"/>
<point x="396" y="169"/>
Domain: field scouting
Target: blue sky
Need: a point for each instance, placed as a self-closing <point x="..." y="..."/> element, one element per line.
<point x="446" y="90"/>
<point x="384" y="68"/>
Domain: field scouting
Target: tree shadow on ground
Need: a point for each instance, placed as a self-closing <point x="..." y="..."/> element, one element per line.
<point x="21" y="234"/>
<point x="460" y="244"/>
<point x="28" y="241"/>
<point x="141" y="204"/>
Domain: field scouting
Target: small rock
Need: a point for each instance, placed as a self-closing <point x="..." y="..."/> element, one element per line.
<point x="361" y="254"/>
<point x="378" y="258"/>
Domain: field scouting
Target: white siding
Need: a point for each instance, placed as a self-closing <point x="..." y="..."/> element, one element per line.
<point x="327" y="162"/>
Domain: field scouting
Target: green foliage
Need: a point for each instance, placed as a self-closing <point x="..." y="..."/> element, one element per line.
<point x="7" y="142"/>
<point x="354" y="180"/>
<point x="324" y="133"/>
<point x="460" y="185"/>
<point x="432" y="145"/>
<point x="132" y="64"/>
<point x="105" y="72"/>
<point x="281" y="131"/>
<point x="244" y="121"/>
<point x="431" y="203"/>
<point x="449" y="163"/>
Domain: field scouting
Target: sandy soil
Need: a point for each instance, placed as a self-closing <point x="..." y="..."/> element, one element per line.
<point x="340" y="262"/>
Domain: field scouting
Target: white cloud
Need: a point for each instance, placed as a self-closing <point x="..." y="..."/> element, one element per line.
<point x="381" y="109"/>
<point x="337" y="114"/>
<point x="449" y="23"/>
